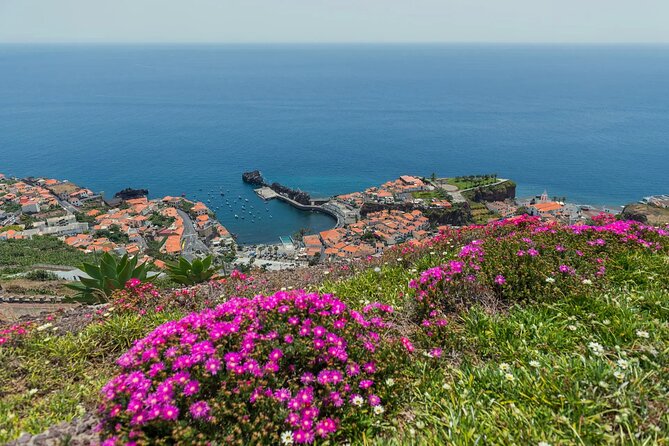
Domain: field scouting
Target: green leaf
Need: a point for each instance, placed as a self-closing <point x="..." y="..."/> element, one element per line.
<point x="92" y="270"/>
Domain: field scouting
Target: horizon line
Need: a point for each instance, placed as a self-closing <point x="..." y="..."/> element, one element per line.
<point x="332" y="43"/>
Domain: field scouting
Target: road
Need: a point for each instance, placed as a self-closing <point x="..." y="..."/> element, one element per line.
<point x="190" y="242"/>
<point x="67" y="206"/>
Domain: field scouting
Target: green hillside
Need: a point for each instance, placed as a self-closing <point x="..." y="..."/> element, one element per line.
<point x="515" y="333"/>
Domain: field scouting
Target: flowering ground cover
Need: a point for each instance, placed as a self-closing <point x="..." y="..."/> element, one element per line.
<point x="510" y="333"/>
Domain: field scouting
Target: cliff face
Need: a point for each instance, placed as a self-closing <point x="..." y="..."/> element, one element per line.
<point x="499" y="192"/>
<point x="644" y="213"/>
<point x="458" y="215"/>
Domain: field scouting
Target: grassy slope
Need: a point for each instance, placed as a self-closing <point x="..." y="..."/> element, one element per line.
<point x="572" y="397"/>
<point x="20" y="255"/>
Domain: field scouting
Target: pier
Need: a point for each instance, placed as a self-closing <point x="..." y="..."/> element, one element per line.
<point x="267" y="193"/>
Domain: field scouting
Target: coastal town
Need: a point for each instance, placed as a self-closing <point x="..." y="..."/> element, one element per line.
<point x="367" y="222"/>
<point x="155" y="230"/>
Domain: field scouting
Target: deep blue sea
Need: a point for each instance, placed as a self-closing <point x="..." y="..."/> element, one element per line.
<point x="587" y="122"/>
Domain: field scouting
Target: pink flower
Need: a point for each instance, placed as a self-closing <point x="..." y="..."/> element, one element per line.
<point x="407" y="344"/>
<point x="170" y="413"/>
<point x="199" y="410"/>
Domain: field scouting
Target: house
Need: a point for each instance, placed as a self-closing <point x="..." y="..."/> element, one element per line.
<point x="545" y="208"/>
<point x="61" y="221"/>
<point x="75" y="200"/>
<point x="199" y="209"/>
<point x="30" y="207"/>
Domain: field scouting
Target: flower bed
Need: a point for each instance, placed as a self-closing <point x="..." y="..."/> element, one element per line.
<point x="524" y="258"/>
<point x="290" y="368"/>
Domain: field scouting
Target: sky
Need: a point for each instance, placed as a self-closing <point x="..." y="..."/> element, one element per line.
<point x="316" y="21"/>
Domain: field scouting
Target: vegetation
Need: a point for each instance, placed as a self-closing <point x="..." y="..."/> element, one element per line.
<point x="11" y="207"/>
<point x="469" y="181"/>
<point x="108" y="276"/>
<point x="41" y="275"/>
<point x="11" y="227"/>
<point x="158" y="219"/>
<point x="191" y="273"/>
<point x="514" y="333"/>
<point x="436" y="194"/>
<point x="114" y="234"/>
<point x="18" y="256"/>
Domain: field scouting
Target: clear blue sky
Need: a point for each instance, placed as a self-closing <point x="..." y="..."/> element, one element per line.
<point x="334" y="21"/>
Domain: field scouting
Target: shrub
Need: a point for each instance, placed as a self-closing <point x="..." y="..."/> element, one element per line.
<point x="110" y="275"/>
<point x="41" y="275"/>
<point x="289" y="367"/>
<point x="191" y="273"/>
<point x="523" y="259"/>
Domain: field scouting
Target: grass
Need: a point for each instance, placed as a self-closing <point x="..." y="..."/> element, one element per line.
<point x="558" y="390"/>
<point x="49" y="379"/>
<point x="588" y="368"/>
<point x="436" y="194"/>
<point x="463" y="183"/>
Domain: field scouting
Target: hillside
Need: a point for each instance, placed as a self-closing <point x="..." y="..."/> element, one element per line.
<point x="645" y="213"/>
<point x="516" y="332"/>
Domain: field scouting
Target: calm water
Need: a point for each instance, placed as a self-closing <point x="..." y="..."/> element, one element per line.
<point x="590" y="123"/>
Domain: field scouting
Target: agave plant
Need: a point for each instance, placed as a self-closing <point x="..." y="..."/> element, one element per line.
<point x="110" y="275"/>
<point x="190" y="273"/>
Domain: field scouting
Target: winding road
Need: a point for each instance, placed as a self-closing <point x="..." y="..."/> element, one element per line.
<point x="190" y="242"/>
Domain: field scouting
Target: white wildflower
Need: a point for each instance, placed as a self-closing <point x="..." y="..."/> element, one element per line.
<point x="571" y="327"/>
<point x="44" y="327"/>
<point x="509" y="377"/>
<point x="31" y="392"/>
<point x="357" y="400"/>
<point x="446" y="386"/>
<point x="622" y="363"/>
<point x="619" y="375"/>
<point x="287" y="437"/>
<point x="377" y="270"/>
<point x="586" y="282"/>
<point x="543" y="443"/>
<point x="378" y="410"/>
<point x="390" y="382"/>
<point x="550" y="280"/>
<point x="326" y="273"/>
<point x="399" y="259"/>
<point x="596" y="348"/>
<point x="504" y="367"/>
<point x="606" y="322"/>
<point x="642" y="334"/>
<point x="535" y="364"/>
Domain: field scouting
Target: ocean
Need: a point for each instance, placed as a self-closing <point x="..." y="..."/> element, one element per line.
<point x="587" y="122"/>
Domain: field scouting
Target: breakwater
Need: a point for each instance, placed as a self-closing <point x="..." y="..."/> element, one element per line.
<point x="267" y="193"/>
